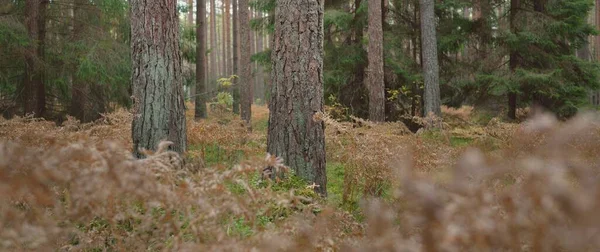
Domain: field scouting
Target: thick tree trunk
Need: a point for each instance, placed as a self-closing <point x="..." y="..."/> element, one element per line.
<point x="431" y="70"/>
<point x="158" y="108"/>
<point x="245" y="64"/>
<point x="514" y="58"/>
<point x="200" y="106"/>
<point x="235" y="63"/>
<point x="32" y="92"/>
<point x="297" y="91"/>
<point x="375" y="83"/>
<point x="79" y="89"/>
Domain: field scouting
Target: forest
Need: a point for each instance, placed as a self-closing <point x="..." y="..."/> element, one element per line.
<point x="299" y="125"/>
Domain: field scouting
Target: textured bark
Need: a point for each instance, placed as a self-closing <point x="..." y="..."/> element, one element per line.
<point x="374" y="79"/>
<point x="235" y="63"/>
<point x="297" y="90"/>
<point x="200" y="106"/>
<point x="260" y="77"/>
<point x="32" y="92"/>
<point x="227" y="38"/>
<point x="515" y="5"/>
<point x="158" y="108"/>
<point x="79" y="89"/>
<point x="214" y="66"/>
<point x="431" y="69"/>
<point x="253" y="64"/>
<point x="245" y="64"/>
<point x="40" y="86"/>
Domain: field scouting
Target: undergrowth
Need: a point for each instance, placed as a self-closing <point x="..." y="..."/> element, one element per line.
<point x="473" y="185"/>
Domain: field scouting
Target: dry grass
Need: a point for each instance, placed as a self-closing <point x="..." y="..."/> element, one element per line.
<point x="528" y="187"/>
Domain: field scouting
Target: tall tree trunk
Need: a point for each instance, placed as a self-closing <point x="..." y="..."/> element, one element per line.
<point x="190" y="25"/>
<point x="32" y="92"/>
<point x="252" y="63"/>
<point x="374" y="82"/>
<point x="200" y="106"/>
<point x="260" y="77"/>
<point x="514" y="58"/>
<point x="190" y="14"/>
<point x="235" y="63"/>
<point x="597" y="39"/>
<point x="227" y="38"/>
<point x="431" y="70"/>
<point x="245" y="64"/>
<point x="214" y="48"/>
<point x="158" y="108"/>
<point x="79" y="89"/>
<point x="40" y="85"/>
<point x="297" y="91"/>
<point x="223" y="41"/>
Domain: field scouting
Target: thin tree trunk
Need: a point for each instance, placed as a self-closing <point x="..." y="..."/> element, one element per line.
<point x="190" y="24"/>
<point x="374" y="82"/>
<point x="214" y="66"/>
<point x="227" y="22"/>
<point x="297" y="92"/>
<point x="190" y="14"/>
<point x="200" y="106"/>
<point x="245" y="64"/>
<point x="260" y="77"/>
<point x="40" y="85"/>
<point x="235" y="63"/>
<point x="252" y="52"/>
<point x="223" y="41"/>
<point x="430" y="59"/>
<point x="158" y="109"/>
<point x="79" y="89"/>
<point x="514" y="59"/>
<point x="597" y="41"/>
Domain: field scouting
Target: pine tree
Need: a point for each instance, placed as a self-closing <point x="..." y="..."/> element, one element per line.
<point x="375" y="83"/>
<point x="158" y="108"/>
<point x="430" y="59"/>
<point x="245" y="64"/>
<point x="297" y="93"/>
<point x="200" y="104"/>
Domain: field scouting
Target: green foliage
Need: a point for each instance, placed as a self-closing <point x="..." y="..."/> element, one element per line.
<point x="225" y="98"/>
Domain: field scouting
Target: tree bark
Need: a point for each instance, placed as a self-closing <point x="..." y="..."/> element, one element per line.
<point x="430" y="59"/>
<point x="245" y="64"/>
<point x="260" y="78"/>
<point x="158" y="108"/>
<point x="597" y="41"/>
<point x="297" y="90"/>
<point x="200" y="106"/>
<point x="252" y="63"/>
<point x="227" y="38"/>
<point x="235" y="63"/>
<point x="375" y="83"/>
<point x="514" y="59"/>
<point x="32" y="93"/>
<point x="214" y="48"/>
<point x="79" y="89"/>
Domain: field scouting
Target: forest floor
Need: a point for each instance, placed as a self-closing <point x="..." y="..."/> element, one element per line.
<point x="478" y="183"/>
